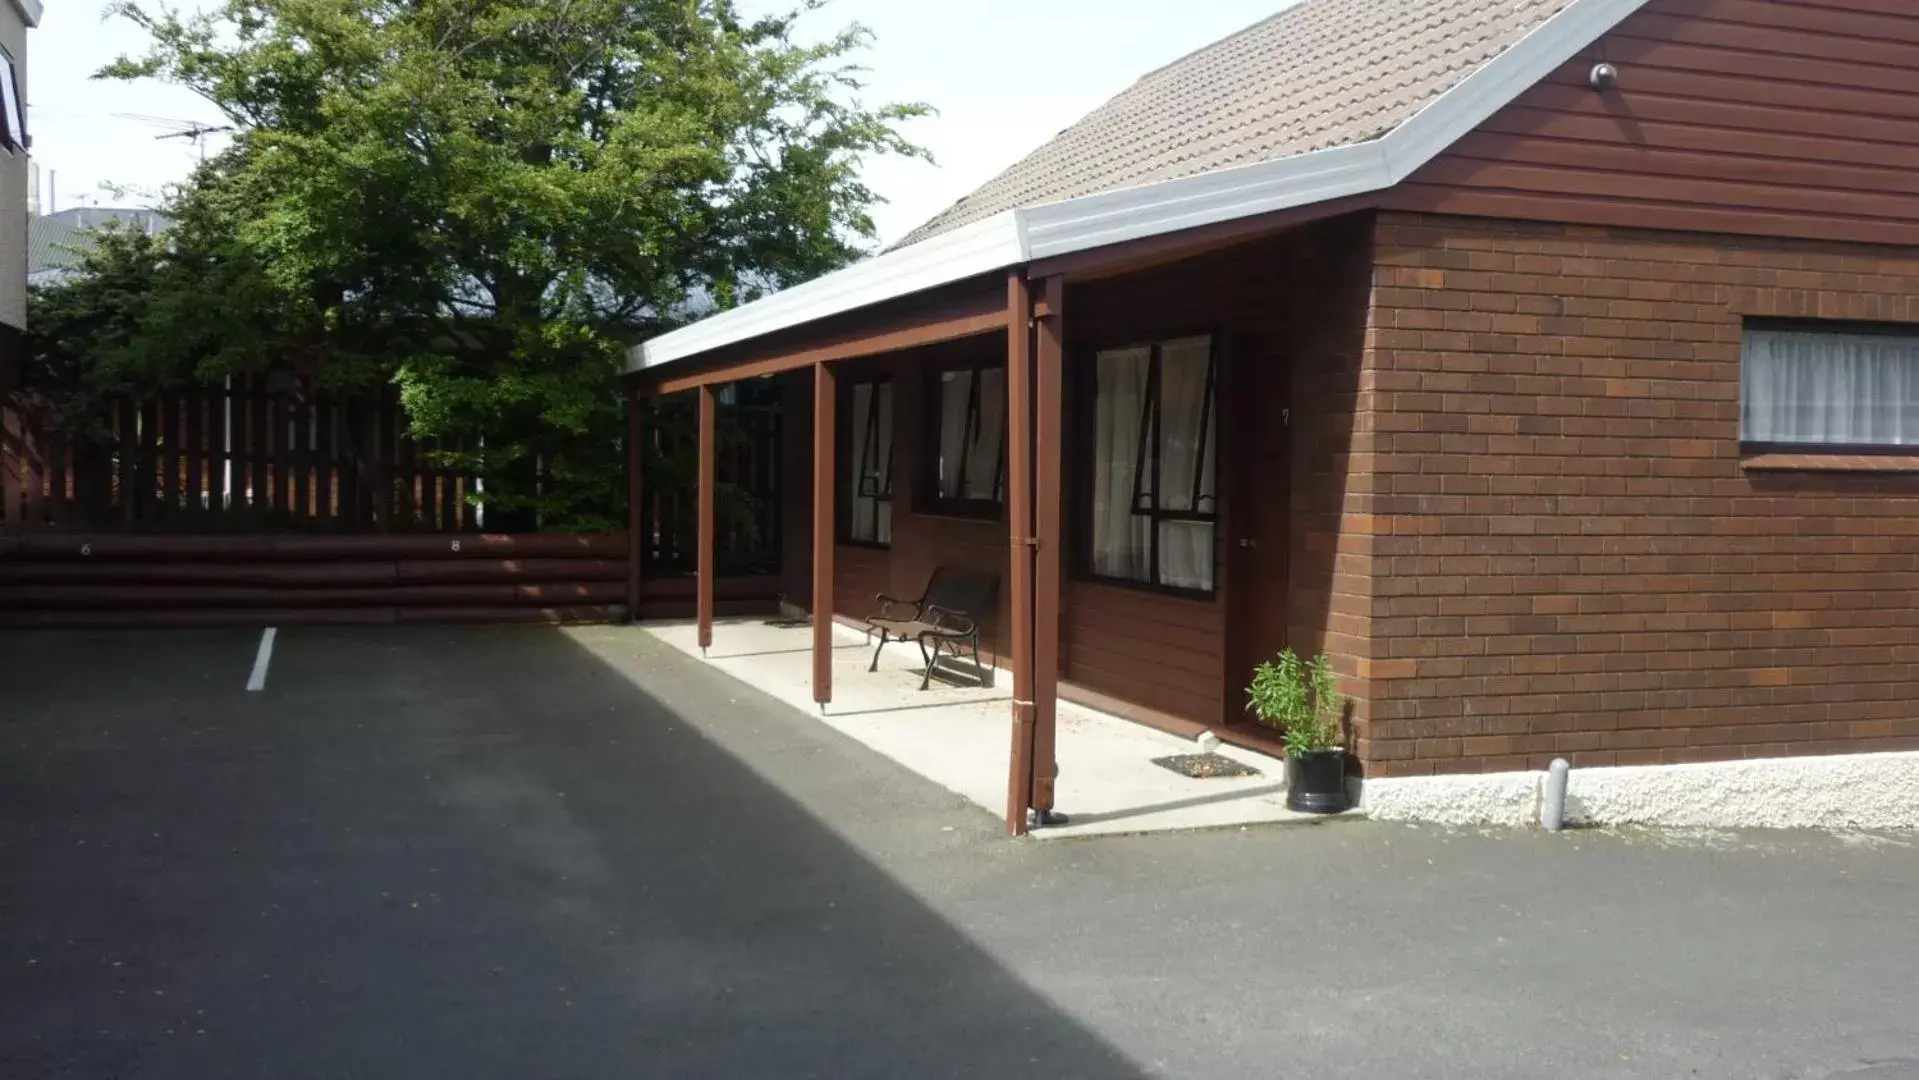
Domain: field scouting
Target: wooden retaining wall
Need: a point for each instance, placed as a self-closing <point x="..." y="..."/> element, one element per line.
<point x="65" y="579"/>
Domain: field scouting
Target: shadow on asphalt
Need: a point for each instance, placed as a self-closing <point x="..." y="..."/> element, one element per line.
<point x="427" y="852"/>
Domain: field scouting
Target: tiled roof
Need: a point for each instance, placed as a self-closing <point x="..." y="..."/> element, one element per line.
<point x="1321" y="74"/>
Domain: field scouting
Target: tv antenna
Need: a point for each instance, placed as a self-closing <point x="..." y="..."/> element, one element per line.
<point x="192" y="130"/>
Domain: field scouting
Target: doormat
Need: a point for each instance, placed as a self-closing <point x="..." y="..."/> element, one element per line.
<point x="787" y="624"/>
<point x="1205" y="766"/>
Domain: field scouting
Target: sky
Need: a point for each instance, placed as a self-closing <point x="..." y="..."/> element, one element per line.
<point x="1004" y="75"/>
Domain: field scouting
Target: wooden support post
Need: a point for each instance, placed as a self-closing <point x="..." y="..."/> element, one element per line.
<point x="1049" y="447"/>
<point x="635" y="500"/>
<point x="708" y="482"/>
<point x="825" y="399"/>
<point x="1019" y="506"/>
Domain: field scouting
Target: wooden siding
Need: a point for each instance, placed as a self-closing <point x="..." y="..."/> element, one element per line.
<point x="1735" y="116"/>
<point x="1159" y="653"/>
<point x="860" y="573"/>
<point x="1163" y="652"/>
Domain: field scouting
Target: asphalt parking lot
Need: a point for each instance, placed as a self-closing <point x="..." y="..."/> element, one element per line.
<point x="517" y="852"/>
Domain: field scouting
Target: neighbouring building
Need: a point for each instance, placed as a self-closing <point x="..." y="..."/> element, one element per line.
<point x="1551" y="365"/>
<point x="57" y="242"/>
<point x="16" y="18"/>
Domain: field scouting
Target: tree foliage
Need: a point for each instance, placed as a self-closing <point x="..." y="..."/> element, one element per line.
<point x="487" y="201"/>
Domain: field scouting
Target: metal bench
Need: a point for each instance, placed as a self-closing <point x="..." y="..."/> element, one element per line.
<point x="946" y="616"/>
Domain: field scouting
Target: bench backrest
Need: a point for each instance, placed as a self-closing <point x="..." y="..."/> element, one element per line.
<point x="962" y="591"/>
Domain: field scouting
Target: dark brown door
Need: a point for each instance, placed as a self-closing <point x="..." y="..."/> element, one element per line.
<point x="1258" y="513"/>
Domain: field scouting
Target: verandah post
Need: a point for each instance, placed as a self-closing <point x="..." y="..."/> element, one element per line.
<point x="1048" y="465"/>
<point x="1019" y="507"/>
<point x="825" y="399"/>
<point x="708" y="481"/>
<point x="635" y="496"/>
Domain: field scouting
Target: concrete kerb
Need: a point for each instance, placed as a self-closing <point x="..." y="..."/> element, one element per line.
<point x="1849" y="791"/>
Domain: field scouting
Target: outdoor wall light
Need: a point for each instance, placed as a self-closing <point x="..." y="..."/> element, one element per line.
<point x="1604" y="77"/>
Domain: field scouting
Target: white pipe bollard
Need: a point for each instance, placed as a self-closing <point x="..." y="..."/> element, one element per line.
<point x="1552" y="806"/>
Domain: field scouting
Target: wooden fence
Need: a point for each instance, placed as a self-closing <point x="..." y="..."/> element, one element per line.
<point x="235" y="458"/>
<point x="51" y="578"/>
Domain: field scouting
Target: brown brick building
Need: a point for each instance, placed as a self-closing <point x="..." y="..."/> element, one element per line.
<point x="1552" y="365"/>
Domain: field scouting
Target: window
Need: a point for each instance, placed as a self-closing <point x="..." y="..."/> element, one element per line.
<point x="1839" y="384"/>
<point x="1154" y="507"/>
<point x="866" y="465"/>
<point x="13" y="115"/>
<point x="967" y="471"/>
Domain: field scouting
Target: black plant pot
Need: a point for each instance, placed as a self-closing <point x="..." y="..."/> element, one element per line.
<point x="1316" y="782"/>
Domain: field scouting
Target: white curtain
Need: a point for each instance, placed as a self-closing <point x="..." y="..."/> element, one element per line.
<point x="868" y="462"/>
<point x="989" y="438"/>
<point x="980" y="444"/>
<point x="1186" y="435"/>
<point x="1843" y="389"/>
<point x="955" y="388"/>
<point x="1122" y="541"/>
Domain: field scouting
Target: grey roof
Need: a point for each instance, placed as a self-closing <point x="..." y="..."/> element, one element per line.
<point x="57" y="242"/>
<point x="1321" y="74"/>
<point x="53" y="244"/>
<point x="93" y="217"/>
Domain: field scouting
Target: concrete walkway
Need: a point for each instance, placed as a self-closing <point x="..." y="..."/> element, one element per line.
<point x="958" y="736"/>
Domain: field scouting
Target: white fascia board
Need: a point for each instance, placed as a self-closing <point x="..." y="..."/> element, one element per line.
<point x="984" y="246"/>
<point x="29" y="10"/>
<point x="1111" y="217"/>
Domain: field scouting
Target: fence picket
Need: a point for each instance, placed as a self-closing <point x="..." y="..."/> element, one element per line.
<point x="193" y="504"/>
<point x="323" y="458"/>
<point x="260" y="424"/>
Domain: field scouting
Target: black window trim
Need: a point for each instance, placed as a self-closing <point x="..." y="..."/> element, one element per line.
<point x="929" y="502"/>
<point x="1805" y="325"/>
<point x="11" y="141"/>
<point x="843" y="441"/>
<point x="1149" y="423"/>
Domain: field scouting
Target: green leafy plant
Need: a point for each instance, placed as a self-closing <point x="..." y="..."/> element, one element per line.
<point x="487" y="202"/>
<point x="1299" y="699"/>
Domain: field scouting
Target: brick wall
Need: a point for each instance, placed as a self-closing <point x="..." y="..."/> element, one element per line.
<point x="1568" y="555"/>
<point x="1330" y="581"/>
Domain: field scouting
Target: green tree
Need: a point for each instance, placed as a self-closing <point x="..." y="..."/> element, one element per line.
<point x="488" y="201"/>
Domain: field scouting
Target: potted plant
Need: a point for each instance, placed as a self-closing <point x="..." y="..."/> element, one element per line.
<point x="1301" y="700"/>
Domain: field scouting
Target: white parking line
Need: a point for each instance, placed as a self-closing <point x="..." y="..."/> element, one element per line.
<point x="258" y="680"/>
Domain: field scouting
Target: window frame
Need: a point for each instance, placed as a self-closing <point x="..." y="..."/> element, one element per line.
<point x="1755" y="447"/>
<point x="927" y="498"/>
<point x="11" y="141"/>
<point x="1085" y="386"/>
<point x="844" y="447"/>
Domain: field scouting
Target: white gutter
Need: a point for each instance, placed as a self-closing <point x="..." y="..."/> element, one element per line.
<point x="29" y="10"/>
<point x="1092" y="221"/>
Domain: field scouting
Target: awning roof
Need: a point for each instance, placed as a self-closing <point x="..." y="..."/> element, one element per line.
<point x="1485" y="74"/>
